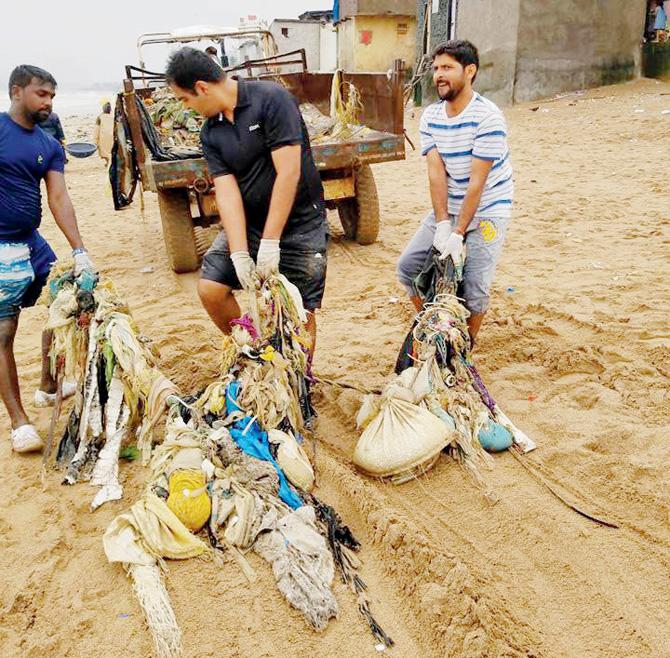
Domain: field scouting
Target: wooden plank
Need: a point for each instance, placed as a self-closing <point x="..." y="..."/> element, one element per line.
<point x="398" y="102"/>
<point x="338" y="188"/>
<point x="136" y="130"/>
<point x="183" y="173"/>
<point x="208" y="205"/>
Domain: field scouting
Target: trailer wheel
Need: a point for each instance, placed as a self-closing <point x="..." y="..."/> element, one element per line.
<point x="360" y="215"/>
<point x="204" y="238"/>
<point x="348" y="212"/>
<point x="178" y="230"/>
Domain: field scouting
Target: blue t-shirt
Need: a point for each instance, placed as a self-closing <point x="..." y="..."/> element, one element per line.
<point x="25" y="158"/>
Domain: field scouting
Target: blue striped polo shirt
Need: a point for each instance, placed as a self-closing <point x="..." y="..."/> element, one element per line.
<point x="479" y="131"/>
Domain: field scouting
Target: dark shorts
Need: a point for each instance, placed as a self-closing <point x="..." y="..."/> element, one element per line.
<point x="303" y="262"/>
<point x="24" y="270"/>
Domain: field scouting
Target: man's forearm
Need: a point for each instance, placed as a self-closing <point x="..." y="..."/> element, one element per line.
<point x="281" y="202"/>
<point x="437" y="182"/>
<point x="234" y="222"/>
<point x="66" y="219"/>
<point x="438" y="196"/>
<point x="468" y="208"/>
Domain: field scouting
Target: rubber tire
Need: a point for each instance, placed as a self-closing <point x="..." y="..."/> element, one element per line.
<point x="204" y="238"/>
<point x="178" y="230"/>
<point x="348" y="212"/>
<point x="360" y="216"/>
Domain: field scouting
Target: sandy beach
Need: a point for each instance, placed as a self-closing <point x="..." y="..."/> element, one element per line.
<point x="575" y="349"/>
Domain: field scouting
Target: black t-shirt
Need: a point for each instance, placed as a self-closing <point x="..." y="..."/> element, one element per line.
<point x="266" y="117"/>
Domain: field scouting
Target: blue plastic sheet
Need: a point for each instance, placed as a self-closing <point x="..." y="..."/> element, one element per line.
<point x="252" y="440"/>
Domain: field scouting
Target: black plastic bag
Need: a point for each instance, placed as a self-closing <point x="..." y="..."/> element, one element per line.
<point x="436" y="276"/>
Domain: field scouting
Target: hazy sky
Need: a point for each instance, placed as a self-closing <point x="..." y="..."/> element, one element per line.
<point x="82" y="42"/>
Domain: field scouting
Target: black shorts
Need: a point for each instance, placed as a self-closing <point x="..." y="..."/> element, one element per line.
<point x="303" y="261"/>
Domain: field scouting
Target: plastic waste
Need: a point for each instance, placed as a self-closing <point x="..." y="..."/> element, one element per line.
<point x="188" y="498"/>
<point x="495" y="437"/>
<point x="293" y="459"/>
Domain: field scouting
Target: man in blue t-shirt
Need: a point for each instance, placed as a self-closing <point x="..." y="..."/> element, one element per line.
<point x="27" y="156"/>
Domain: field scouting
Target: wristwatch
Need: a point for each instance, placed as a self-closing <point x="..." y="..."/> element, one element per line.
<point x="79" y="250"/>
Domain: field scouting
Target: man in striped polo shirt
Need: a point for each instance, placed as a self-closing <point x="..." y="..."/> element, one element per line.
<point x="464" y="139"/>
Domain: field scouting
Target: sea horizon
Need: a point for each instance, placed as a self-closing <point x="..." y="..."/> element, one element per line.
<point x="76" y="103"/>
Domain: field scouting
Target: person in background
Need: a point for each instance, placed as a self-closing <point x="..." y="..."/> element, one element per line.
<point x="660" y="21"/>
<point x="103" y="135"/>
<point x="29" y="155"/>
<point x="649" y="32"/>
<point x="213" y="54"/>
<point x="52" y="126"/>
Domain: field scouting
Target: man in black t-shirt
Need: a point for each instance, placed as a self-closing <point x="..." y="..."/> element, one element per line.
<point x="268" y="190"/>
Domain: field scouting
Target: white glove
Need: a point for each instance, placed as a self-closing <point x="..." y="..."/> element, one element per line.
<point x="442" y="233"/>
<point x="267" y="260"/>
<point x="82" y="262"/>
<point x="454" y="248"/>
<point x="449" y="243"/>
<point x="244" y="268"/>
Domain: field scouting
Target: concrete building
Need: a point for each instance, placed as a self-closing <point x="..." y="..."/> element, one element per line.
<point x="530" y="49"/>
<point x="373" y="33"/>
<point x="317" y="36"/>
<point x="323" y="15"/>
<point x="328" y="44"/>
